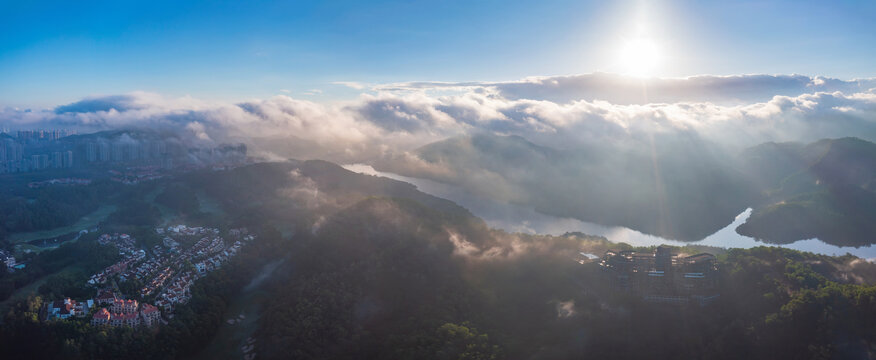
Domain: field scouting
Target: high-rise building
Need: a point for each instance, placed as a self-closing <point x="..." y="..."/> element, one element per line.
<point x="13" y="155"/>
<point x="154" y="150"/>
<point x="103" y="152"/>
<point x="144" y="151"/>
<point x="4" y="166"/>
<point x="14" y="151"/>
<point x="118" y="153"/>
<point x="57" y="161"/>
<point x="68" y="159"/>
<point x="91" y="152"/>
<point x="132" y="151"/>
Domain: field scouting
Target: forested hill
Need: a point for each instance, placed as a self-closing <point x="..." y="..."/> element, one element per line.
<point x="394" y="279"/>
<point x="826" y="189"/>
<point x="303" y="192"/>
<point x="295" y="197"/>
<point x="353" y="186"/>
<point x="372" y="268"/>
<point x="789" y="168"/>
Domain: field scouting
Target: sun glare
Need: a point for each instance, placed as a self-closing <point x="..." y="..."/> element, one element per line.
<point x="639" y="57"/>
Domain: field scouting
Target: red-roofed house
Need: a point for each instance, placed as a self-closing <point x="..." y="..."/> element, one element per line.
<point x="106" y="297"/>
<point x="101" y="317"/>
<point x="151" y="315"/>
<point x="66" y="308"/>
<point x="124" y="306"/>
<point x="131" y="320"/>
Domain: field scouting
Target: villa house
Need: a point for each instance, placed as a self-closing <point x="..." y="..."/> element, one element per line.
<point x="151" y="315"/>
<point x="120" y="306"/>
<point x="63" y="309"/>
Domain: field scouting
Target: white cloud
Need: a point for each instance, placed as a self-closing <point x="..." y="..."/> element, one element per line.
<point x="198" y="131"/>
<point x="392" y="122"/>
<point x="619" y="89"/>
<point x="351" y="84"/>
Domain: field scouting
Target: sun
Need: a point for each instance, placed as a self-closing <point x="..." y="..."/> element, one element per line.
<point x="639" y="57"/>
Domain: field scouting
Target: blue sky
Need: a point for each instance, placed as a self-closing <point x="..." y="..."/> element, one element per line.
<point x="54" y="53"/>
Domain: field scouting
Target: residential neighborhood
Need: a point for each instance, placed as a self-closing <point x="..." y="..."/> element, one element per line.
<point x="127" y="313"/>
<point x="166" y="273"/>
<point x="8" y="260"/>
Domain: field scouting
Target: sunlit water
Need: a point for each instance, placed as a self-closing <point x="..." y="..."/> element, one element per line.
<point x="516" y="218"/>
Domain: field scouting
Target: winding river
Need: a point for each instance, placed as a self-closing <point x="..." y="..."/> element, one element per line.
<point x="516" y="218"/>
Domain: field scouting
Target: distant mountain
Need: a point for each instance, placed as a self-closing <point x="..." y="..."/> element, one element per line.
<point x="678" y="187"/>
<point x="847" y="161"/>
<point x="770" y="163"/>
<point x="305" y="192"/>
<point x="826" y="189"/>
<point x="675" y="187"/>
<point x="132" y="134"/>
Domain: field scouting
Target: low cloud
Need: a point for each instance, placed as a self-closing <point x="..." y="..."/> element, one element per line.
<point x="625" y="90"/>
<point x="565" y="309"/>
<point x="305" y="191"/>
<point x="500" y="246"/>
<point x="566" y="111"/>
<point x="98" y="104"/>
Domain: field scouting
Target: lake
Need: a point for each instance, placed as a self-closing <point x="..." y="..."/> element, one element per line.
<point x="516" y="218"/>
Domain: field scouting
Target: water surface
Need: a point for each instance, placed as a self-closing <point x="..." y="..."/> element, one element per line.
<point x="517" y="218"/>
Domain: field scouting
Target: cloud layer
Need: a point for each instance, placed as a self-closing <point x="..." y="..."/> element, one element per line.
<point x="617" y="89"/>
<point x="569" y="111"/>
